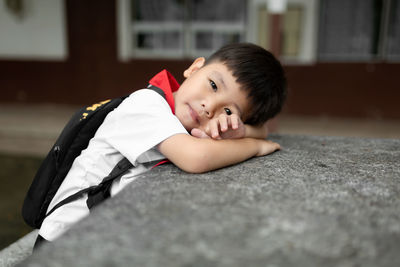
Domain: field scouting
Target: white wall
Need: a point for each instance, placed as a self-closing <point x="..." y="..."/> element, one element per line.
<point x="39" y="34"/>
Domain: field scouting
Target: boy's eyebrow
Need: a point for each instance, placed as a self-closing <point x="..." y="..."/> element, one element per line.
<point x="221" y="81"/>
<point x="219" y="77"/>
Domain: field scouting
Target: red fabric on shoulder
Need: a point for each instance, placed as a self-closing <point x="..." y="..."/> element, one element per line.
<point x="166" y="82"/>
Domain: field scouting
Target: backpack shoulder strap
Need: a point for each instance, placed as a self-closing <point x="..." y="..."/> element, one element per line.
<point x="97" y="193"/>
<point x="156" y="89"/>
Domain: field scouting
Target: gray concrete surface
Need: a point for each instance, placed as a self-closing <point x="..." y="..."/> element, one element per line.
<point x="18" y="251"/>
<point x="321" y="201"/>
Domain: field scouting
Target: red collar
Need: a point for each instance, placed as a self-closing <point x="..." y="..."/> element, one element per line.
<point x="166" y="82"/>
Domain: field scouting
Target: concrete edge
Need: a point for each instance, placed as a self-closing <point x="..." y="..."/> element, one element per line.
<point x="18" y="251"/>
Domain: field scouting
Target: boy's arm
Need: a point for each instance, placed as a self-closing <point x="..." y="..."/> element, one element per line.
<point x="196" y="155"/>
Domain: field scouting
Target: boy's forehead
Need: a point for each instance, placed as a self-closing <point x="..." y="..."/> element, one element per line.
<point x="222" y="73"/>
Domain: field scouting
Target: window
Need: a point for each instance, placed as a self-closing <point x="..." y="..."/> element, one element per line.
<point x="191" y="28"/>
<point x="359" y="30"/>
<point x="185" y="28"/>
<point x="292" y="31"/>
<point x="393" y="33"/>
<point x="34" y="30"/>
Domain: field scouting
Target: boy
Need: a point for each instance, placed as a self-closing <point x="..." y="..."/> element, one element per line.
<point x="224" y="103"/>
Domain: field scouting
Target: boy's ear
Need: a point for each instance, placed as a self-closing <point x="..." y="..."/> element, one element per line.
<point x="196" y="65"/>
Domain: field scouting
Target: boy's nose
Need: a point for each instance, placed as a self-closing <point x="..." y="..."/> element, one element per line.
<point x="207" y="111"/>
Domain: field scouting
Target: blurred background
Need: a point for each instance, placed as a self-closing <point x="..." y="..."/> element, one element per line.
<point x="342" y="59"/>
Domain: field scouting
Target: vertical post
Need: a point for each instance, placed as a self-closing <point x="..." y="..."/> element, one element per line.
<point x="275" y="34"/>
<point x="275" y="8"/>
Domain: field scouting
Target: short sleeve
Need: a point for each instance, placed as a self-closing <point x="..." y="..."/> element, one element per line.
<point x="142" y="121"/>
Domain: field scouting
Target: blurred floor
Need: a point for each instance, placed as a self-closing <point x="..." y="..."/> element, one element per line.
<point x="32" y="129"/>
<point x="355" y="127"/>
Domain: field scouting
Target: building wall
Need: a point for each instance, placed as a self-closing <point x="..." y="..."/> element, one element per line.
<point x="92" y="72"/>
<point x="33" y="30"/>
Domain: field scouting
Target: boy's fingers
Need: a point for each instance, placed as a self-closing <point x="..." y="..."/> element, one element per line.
<point x="234" y="121"/>
<point x="267" y="147"/>
<point x="223" y="122"/>
<point x="214" y="129"/>
<point x="277" y="146"/>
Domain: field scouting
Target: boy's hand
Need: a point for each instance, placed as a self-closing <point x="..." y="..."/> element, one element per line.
<point x="230" y="127"/>
<point x="222" y="127"/>
<point x="266" y="147"/>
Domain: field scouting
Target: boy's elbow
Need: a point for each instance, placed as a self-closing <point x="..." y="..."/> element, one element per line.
<point x="195" y="168"/>
<point x="197" y="162"/>
<point x="188" y="153"/>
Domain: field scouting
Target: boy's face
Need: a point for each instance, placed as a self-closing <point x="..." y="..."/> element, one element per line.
<point x="208" y="91"/>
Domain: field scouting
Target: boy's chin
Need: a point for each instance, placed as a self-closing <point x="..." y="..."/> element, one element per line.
<point x="188" y="125"/>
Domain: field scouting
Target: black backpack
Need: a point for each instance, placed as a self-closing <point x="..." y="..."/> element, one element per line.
<point x="73" y="139"/>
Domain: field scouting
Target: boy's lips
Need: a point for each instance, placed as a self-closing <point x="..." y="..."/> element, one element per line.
<point x="193" y="114"/>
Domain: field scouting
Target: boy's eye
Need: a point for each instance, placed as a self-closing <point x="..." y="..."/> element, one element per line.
<point x="228" y="111"/>
<point x="213" y="85"/>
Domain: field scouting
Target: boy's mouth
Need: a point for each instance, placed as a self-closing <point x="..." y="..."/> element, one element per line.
<point x="193" y="114"/>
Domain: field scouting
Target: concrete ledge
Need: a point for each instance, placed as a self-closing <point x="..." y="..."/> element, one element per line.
<point x="18" y="251"/>
<point x="321" y="201"/>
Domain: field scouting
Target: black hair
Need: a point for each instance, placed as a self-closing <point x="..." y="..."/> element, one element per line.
<point x="260" y="74"/>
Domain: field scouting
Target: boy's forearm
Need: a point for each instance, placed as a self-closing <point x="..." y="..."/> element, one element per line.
<point x="200" y="155"/>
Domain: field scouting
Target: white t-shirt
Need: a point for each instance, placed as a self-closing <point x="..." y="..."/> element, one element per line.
<point x="132" y="130"/>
